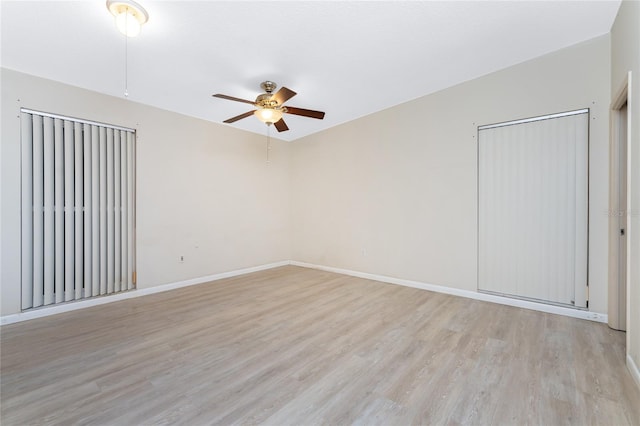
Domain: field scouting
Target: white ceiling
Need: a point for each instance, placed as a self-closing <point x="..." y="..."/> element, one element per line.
<point x="348" y="58"/>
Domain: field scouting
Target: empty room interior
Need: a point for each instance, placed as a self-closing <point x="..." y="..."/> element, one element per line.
<point x="345" y="212"/>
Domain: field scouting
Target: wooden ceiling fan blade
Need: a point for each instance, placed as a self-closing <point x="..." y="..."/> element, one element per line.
<point x="281" y="126"/>
<point x="239" y="117"/>
<point x="283" y="95"/>
<point x="231" y="98"/>
<point x="305" y="112"/>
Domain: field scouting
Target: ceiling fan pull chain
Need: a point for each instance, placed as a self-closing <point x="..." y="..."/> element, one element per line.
<point x="126" y="59"/>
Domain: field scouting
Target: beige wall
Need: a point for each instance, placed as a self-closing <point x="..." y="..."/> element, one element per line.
<point x="204" y="190"/>
<point x="625" y="57"/>
<point x="394" y="193"/>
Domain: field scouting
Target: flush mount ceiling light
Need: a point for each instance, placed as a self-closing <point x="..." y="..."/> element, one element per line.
<point x="129" y="16"/>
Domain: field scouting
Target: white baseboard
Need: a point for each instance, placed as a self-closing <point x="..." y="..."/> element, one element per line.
<point x="633" y="369"/>
<point x="72" y="306"/>
<point x="542" y="307"/>
<point x="81" y="304"/>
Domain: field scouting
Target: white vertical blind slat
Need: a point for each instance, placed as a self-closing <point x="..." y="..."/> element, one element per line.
<point x="123" y="210"/>
<point x="49" y="214"/>
<point x="78" y="192"/>
<point x="69" y="229"/>
<point x="59" y="209"/>
<point x="110" y="213"/>
<point x="117" y="232"/>
<point x="38" y="219"/>
<point x="130" y="210"/>
<point x="103" y="210"/>
<point x="87" y="209"/>
<point x="95" y="210"/>
<point x="26" y="133"/>
<point x="582" y="204"/>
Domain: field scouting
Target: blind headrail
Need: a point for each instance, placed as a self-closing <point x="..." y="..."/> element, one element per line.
<point x="529" y="120"/>
<point x="75" y="119"/>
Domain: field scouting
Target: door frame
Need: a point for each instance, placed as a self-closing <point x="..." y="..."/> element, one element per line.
<point x="615" y="292"/>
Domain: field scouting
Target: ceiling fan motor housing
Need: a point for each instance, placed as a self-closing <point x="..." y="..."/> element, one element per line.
<point x="264" y="101"/>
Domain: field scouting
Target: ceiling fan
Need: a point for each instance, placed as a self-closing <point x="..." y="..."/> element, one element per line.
<point x="270" y="106"/>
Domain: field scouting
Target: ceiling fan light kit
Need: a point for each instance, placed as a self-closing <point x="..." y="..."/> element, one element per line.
<point x="270" y="108"/>
<point x="129" y="16"/>
<point x="268" y="115"/>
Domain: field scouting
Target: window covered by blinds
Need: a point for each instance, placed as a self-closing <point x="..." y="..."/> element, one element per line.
<point x="533" y="208"/>
<point x="77" y="209"/>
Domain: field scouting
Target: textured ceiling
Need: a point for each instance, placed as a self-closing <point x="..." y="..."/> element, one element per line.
<point x="348" y="58"/>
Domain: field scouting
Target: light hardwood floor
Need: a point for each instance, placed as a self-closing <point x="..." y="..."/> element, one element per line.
<point x="300" y="346"/>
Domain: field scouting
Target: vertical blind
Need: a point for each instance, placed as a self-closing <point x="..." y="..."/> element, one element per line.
<point x="532" y="208"/>
<point x="77" y="209"/>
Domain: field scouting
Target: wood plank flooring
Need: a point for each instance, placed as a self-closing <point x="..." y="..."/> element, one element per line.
<point x="305" y="347"/>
